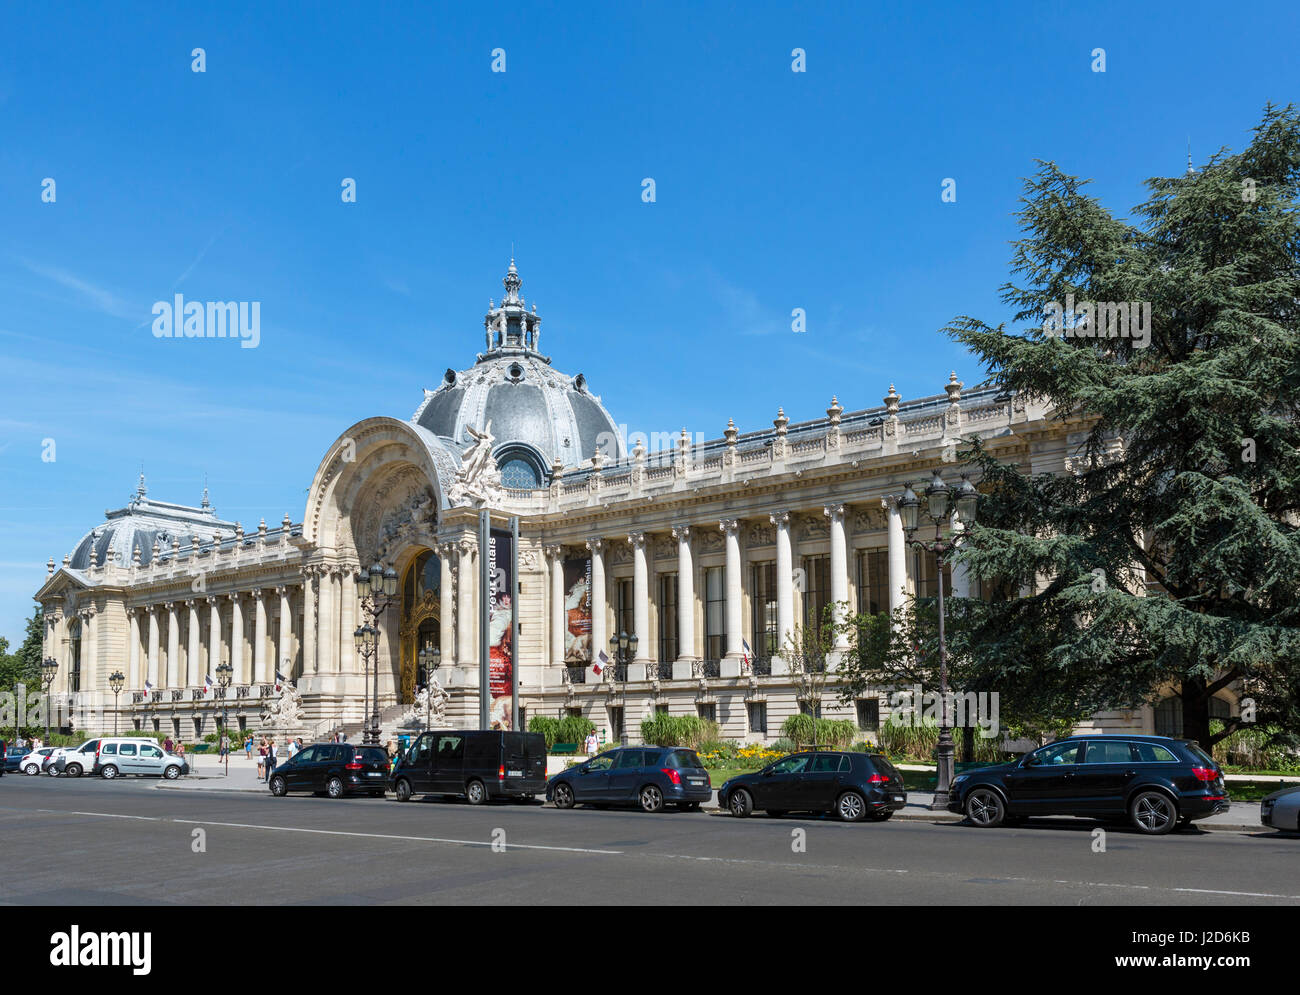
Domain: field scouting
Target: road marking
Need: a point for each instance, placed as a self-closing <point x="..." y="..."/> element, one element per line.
<point x="335" y="832"/>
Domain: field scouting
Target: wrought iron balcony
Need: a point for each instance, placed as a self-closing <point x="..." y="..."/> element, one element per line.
<point x="664" y="670"/>
<point x="575" y="675"/>
<point x="763" y="667"/>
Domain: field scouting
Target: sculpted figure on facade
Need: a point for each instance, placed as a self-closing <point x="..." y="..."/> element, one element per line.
<point x="478" y="480"/>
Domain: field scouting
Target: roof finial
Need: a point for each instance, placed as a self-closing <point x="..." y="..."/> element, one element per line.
<point x="1190" y="170"/>
<point x="140" y="489"/>
<point x="205" y="502"/>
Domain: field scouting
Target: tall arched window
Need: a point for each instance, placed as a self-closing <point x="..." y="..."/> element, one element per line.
<point x="74" y="652"/>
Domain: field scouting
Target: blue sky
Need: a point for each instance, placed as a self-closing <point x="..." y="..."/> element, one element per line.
<point x="775" y="190"/>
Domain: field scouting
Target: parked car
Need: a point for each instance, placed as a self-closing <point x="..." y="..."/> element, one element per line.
<point x="1154" y="782"/>
<point x="1281" y="809"/>
<point x="853" y="786"/>
<point x="477" y="764"/>
<point x="334" y="769"/>
<point x="13" y="759"/>
<point x="74" y="762"/>
<point x="31" y="763"/>
<point x="649" y="776"/>
<point x="144" y="757"/>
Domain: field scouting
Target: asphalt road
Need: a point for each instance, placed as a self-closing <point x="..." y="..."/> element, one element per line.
<point x="131" y="842"/>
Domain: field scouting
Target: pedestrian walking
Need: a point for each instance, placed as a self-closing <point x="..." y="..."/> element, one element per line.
<point x="270" y="758"/>
<point x="248" y="747"/>
<point x="261" y="758"/>
<point x="168" y="745"/>
<point x="592" y="744"/>
<point x="224" y="746"/>
<point x="293" y="749"/>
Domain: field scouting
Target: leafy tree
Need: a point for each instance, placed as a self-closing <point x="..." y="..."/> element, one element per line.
<point x="23" y="666"/>
<point x="1170" y="554"/>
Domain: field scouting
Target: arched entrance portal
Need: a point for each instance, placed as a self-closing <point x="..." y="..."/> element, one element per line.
<point x="420" y="628"/>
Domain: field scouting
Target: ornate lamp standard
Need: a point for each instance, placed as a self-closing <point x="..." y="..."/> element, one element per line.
<point x="624" y="649"/>
<point x="116" y="681"/>
<point x="938" y="502"/>
<point x="224" y="672"/>
<point x="49" y="667"/>
<point x="375" y="589"/>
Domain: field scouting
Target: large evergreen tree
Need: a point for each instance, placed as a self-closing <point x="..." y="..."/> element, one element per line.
<point x="1170" y="554"/>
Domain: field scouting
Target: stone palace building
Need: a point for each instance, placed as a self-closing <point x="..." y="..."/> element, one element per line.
<point x="710" y="552"/>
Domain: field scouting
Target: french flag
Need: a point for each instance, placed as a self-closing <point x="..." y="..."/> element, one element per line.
<point x="279" y="680"/>
<point x="207" y="683"/>
<point x="148" y="687"/>
<point x="748" y="653"/>
<point x="598" y="667"/>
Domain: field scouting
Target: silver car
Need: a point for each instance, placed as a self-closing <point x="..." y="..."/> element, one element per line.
<point x="1281" y="809"/>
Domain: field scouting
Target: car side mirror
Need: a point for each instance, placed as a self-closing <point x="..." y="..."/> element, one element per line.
<point x="1032" y="761"/>
<point x="768" y="772"/>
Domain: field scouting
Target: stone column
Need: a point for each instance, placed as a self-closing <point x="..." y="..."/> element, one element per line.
<point x="284" y="645"/>
<point x="466" y="613"/>
<point x="309" y="665"/>
<point x="784" y="582"/>
<point x="685" y="604"/>
<point x="259" y="674"/>
<point x="731" y="528"/>
<point x="173" y="645"/>
<point x="897" y="555"/>
<point x="839" y="570"/>
<point x="640" y="607"/>
<point x="152" y="675"/>
<point x="960" y="573"/>
<point x="237" y="675"/>
<point x="559" y="616"/>
<point x="446" y="606"/>
<point x="599" y="636"/>
<point x="193" y="677"/>
<point x="326" y="632"/>
<point x="214" y="637"/>
<point x="90" y="650"/>
<point x="133" y="670"/>
<point x="348" y="662"/>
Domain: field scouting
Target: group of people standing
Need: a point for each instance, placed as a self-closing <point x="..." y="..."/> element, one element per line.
<point x="268" y="754"/>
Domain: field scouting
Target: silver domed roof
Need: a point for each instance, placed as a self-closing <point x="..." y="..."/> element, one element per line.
<point x="141" y="524"/>
<point x="529" y="404"/>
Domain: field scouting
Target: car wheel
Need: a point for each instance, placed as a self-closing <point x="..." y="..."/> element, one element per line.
<point x="651" y="798"/>
<point x="741" y="803"/>
<point x="1153" y="813"/>
<point x="851" y="807"/>
<point x="278" y="787"/>
<point x="31" y="769"/>
<point x="563" y="796"/>
<point x="984" y="808"/>
<point x="334" y="787"/>
<point x="73" y="770"/>
<point x="172" y="772"/>
<point x="108" y="772"/>
<point x="403" y="790"/>
<point x="475" y="793"/>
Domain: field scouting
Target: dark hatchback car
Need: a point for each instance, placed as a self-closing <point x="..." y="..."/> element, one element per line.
<point x="649" y="776"/>
<point x="853" y="786"/>
<point x="1154" y="782"/>
<point x="12" y="755"/>
<point x="477" y="764"/>
<point x="333" y="769"/>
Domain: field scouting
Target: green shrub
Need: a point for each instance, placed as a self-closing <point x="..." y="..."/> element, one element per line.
<point x="662" y="729"/>
<point x="548" y="726"/>
<point x="784" y="745"/>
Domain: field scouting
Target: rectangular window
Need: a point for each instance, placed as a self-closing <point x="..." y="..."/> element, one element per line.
<point x="923" y="570"/>
<point x="757" y="716"/>
<point x="817" y="589"/>
<point x="574" y="711"/>
<point x="868" y="714"/>
<point x="708" y="712"/>
<point x="668" y="650"/>
<point x="625" y="618"/>
<point x="715" y="613"/>
<point x="873" y="581"/>
<point x="661" y="709"/>
<point x="806" y="709"/>
<point x="763" y="637"/>
<point x="616" y="722"/>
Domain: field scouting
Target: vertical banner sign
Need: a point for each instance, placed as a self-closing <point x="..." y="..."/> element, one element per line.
<point x="501" y="651"/>
<point x="484" y="619"/>
<point x="577" y="611"/>
<point x="514" y="623"/>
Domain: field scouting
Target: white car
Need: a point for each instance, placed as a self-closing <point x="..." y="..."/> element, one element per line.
<point x="118" y="757"/>
<point x="31" y="764"/>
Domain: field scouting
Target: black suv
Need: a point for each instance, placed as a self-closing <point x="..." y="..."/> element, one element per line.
<point x="854" y="786"/>
<point x="334" y="769"/>
<point x="648" y="776"/>
<point x="1154" y="782"/>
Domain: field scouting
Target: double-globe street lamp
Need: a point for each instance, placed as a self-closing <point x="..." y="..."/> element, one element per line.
<point x="430" y="660"/>
<point x="939" y="501"/>
<point x="116" y="681"/>
<point x="224" y="673"/>
<point x="375" y="588"/>
<point x="49" y="667"/>
<point x="623" y="647"/>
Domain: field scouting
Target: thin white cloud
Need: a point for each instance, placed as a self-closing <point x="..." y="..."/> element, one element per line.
<point x="99" y="298"/>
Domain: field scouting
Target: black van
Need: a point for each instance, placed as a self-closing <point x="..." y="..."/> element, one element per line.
<point x="477" y="764"/>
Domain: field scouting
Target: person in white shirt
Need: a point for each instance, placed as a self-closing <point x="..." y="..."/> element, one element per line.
<point x="293" y="748"/>
<point x="592" y="743"/>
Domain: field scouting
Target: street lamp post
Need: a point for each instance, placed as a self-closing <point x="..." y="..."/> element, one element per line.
<point x="624" y="648"/>
<point x="938" y="506"/>
<point x="116" y="681"/>
<point x="49" y="668"/>
<point x="376" y="588"/>
<point x="224" y="672"/>
<point x="430" y="660"/>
